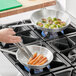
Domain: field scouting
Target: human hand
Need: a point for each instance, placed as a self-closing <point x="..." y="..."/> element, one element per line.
<point x="7" y="36"/>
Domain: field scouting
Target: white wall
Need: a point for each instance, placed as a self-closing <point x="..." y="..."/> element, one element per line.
<point x="71" y="7"/>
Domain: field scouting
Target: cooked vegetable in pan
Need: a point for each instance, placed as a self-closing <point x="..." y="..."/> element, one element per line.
<point x="37" y="60"/>
<point x="51" y="23"/>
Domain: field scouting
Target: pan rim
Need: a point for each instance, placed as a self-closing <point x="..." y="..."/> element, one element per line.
<point x="37" y="66"/>
<point x="49" y="29"/>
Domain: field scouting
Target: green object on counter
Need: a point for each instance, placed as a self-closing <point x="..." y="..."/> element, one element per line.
<point x="9" y="4"/>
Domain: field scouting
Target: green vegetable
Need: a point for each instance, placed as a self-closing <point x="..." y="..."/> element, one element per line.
<point x="63" y="23"/>
<point x="53" y="26"/>
<point x="54" y="19"/>
<point x="44" y="20"/>
<point x="49" y="18"/>
<point x="46" y="25"/>
<point x="39" y="24"/>
<point x="56" y="22"/>
<point x="59" y="26"/>
<point x="50" y="22"/>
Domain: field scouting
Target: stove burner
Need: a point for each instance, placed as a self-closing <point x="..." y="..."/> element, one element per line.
<point x="49" y="35"/>
<point x="36" y="70"/>
<point x="62" y="32"/>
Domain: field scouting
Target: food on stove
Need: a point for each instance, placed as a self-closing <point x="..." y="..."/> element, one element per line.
<point x="41" y="61"/>
<point x="44" y="20"/>
<point x="63" y="23"/>
<point x="46" y="25"/>
<point x="34" y="55"/>
<point x="40" y="24"/>
<point x="51" y="23"/>
<point x="49" y="18"/>
<point x="53" y="26"/>
<point x="59" y="26"/>
<point x="54" y="19"/>
<point x="56" y="22"/>
<point x="59" y="20"/>
<point x="37" y="60"/>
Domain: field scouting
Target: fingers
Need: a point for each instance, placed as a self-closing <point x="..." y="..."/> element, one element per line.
<point x="10" y="31"/>
<point x="6" y="35"/>
<point x="14" y="39"/>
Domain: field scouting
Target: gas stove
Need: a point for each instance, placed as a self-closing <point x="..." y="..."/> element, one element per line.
<point x="60" y="46"/>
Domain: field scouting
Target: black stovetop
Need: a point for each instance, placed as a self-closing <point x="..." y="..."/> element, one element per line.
<point x="58" y="44"/>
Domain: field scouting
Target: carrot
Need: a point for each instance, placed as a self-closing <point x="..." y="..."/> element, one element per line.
<point x="29" y="60"/>
<point x="43" y="62"/>
<point x="34" y="55"/>
<point x="32" y="61"/>
<point x="38" y="59"/>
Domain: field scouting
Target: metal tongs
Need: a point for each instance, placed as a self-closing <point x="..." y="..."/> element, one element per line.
<point x="21" y="46"/>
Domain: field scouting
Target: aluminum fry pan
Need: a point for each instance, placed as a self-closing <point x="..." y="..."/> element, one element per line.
<point x="33" y="48"/>
<point x="38" y="15"/>
<point x="45" y="13"/>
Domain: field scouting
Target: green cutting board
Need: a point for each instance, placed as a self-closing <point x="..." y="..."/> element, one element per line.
<point x="9" y="4"/>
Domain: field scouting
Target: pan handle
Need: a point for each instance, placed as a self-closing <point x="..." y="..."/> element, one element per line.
<point x="28" y="24"/>
<point x="14" y="53"/>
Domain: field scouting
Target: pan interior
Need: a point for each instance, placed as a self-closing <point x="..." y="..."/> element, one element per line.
<point x="38" y="15"/>
<point x="34" y="48"/>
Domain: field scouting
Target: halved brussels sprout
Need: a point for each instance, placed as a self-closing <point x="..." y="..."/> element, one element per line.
<point x="59" y="20"/>
<point x="46" y="25"/>
<point x="54" y="19"/>
<point x="39" y="24"/>
<point x="53" y="26"/>
<point x="63" y="23"/>
<point x="44" y="20"/>
<point x="59" y="26"/>
<point x="49" y="18"/>
<point x="50" y="22"/>
<point x="56" y="22"/>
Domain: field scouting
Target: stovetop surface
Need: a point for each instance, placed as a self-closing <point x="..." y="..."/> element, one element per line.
<point x="58" y="44"/>
<point x="58" y="62"/>
<point x="69" y="30"/>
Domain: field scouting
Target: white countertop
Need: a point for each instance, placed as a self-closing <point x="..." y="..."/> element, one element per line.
<point x="6" y="67"/>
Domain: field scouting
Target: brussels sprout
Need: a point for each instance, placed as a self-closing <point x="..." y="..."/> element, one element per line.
<point x="39" y="24"/>
<point x="63" y="23"/>
<point x="49" y="18"/>
<point x="44" y="20"/>
<point x="53" y="26"/>
<point x="59" y="20"/>
<point x="59" y="26"/>
<point x="56" y="22"/>
<point x="54" y="19"/>
<point x="46" y="25"/>
<point x="50" y="22"/>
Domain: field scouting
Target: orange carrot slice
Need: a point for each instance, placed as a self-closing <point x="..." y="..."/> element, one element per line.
<point x="29" y="60"/>
<point x="43" y="62"/>
<point x="34" y="55"/>
<point x="32" y="61"/>
<point x="38" y="59"/>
